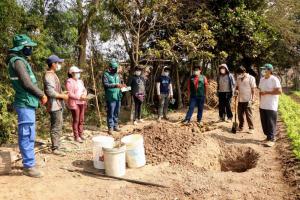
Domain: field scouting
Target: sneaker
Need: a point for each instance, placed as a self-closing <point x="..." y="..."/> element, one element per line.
<point x="117" y="129"/>
<point x="221" y="120"/>
<point x="135" y="122"/>
<point x="270" y="143"/>
<point x="239" y="129"/>
<point x="251" y="131"/>
<point x="166" y="118"/>
<point x="185" y="122"/>
<point x="159" y="119"/>
<point x="82" y="138"/>
<point x="58" y="152"/>
<point x="229" y="120"/>
<point x="32" y="172"/>
<point x="141" y="120"/>
<point x="200" y="123"/>
<point x="78" y="139"/>
<point x="110" y="131"/>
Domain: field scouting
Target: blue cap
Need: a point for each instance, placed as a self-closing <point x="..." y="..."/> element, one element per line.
<point x="54" y="59"/>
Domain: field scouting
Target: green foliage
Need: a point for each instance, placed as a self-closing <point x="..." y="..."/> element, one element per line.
<point x="289" y="111"/>
<point x="8" y="119"/>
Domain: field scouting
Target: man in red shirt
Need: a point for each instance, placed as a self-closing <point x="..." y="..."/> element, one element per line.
<point x="197" y="90"/>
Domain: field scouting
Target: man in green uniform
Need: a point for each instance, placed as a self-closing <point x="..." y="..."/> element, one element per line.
<point x="27" y="96"/>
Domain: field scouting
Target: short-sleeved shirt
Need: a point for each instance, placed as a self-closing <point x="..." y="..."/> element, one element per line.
<point x="269" y="102"/>
<point x="164" y="81"/>
<point x="245" y="86"/>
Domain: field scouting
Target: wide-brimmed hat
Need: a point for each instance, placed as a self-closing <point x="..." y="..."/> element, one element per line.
<point x="113" y="63"/>
<point x="20" y="41"/>
<point x="75" y="69"/>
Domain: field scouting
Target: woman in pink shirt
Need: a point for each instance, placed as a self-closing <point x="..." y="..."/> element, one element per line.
<point x="77" y="101"/>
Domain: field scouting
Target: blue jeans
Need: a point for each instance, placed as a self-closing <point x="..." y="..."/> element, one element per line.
<point x="113" y="110"/>
<point x="26" y="132"/>
<point x="195" y="101"/>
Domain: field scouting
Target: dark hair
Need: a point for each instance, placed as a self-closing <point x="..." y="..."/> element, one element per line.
<point x="241" y="69"/>
<point x="70" y="75"/>
<point x="198" y="67"/>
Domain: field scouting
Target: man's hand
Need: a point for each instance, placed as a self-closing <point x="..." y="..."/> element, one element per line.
<point x="44" y="100"/>
<point x="159" y="97"/>
<point x="236" y="93"/>
<point x="119" y="85"/>
<point x="262" y="93"/>
<point x="170" y="96"/>
<point x="83" y="98"/>
<point x="64" y="96"/>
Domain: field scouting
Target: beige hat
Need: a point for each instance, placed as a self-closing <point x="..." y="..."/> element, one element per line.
<point x="74" y="69"/>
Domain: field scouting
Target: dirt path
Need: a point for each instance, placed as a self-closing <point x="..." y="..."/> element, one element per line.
<point x="203" y="171"/>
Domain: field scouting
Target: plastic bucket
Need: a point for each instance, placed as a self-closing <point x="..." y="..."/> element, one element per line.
<point x="135" y="151"/>
<point x="98" y="143"/>
<point x="115" y="161"/>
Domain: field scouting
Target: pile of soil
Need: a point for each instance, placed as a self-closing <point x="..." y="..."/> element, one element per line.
<point x="212" y="99"/>
<point x="166" y="142"/>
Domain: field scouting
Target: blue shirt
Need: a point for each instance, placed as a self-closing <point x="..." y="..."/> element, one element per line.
<point x="164" y="81"/>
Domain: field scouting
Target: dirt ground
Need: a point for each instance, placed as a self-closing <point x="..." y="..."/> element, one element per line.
<point x="194" y="162"/>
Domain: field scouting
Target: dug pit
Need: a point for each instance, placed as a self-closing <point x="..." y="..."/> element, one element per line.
<point x="214" y="155"/>
<point x="238" y="159"/>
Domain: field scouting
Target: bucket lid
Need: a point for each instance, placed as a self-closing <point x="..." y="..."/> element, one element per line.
<point x="132" y="139"/>
<point x="114" y="150"/>
<point x="102" y="138"/>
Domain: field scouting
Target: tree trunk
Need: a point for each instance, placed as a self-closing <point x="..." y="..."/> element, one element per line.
<point x="180" y="104"/>
<point x="83" y="29"/>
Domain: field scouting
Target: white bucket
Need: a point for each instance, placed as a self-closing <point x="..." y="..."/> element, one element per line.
<point x="135" y="152"/>
<point x="115" y="161"/>
<point x="98" y="143"/>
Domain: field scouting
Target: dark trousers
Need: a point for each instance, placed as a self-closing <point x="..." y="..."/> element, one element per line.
<point x="163" y="105"/>
<point x="137" y="108"/>
<point x="268" y="122"/>
<point x="245" y="109"/>
<point x="195" y="101"/>
<point x="113" y="110"/>
<point x="224" y="105"/>
<point x="56" y="119"/>
<point x="78" y="119"/>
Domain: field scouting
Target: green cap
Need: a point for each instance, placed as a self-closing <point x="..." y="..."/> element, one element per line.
<point x="113" y="64"/>
<point x="268" y="66"/>
<point x="20" y="41"/>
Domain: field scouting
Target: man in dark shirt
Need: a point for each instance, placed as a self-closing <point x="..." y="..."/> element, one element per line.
<point x="27" y="96"/>
<point x="164" y="92"/>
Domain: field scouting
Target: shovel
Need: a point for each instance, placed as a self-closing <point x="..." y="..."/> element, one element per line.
<point x="235" y="124"/>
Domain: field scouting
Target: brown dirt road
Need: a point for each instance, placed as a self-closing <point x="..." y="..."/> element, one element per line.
<point x="213" y="164"/>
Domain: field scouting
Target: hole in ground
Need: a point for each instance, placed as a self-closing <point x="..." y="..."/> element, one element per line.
<point x="237" y="159"/>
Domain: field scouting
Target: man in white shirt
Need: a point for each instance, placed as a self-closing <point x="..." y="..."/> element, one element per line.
<point x="270" y="89"/>
<point x="245" y="90"/>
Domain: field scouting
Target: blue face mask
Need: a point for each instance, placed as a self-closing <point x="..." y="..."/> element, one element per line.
<point x="27" y="51"/>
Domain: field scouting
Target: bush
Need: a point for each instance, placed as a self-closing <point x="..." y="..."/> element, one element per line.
<point x="289" y="111"/>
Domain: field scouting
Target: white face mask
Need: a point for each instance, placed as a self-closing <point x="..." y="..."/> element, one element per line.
<point x="197" y="72"/>
<point x="138" y="73"/>
<point x="222" y="71"/>
<point x="263" y="72"/>
<point x="77" y="75"/>
<point x="166" y="73"/>
<point x="241" y="75"/>
<point x="58" y="68"/>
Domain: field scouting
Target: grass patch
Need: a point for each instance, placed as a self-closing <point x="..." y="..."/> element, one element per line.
<point x="290" y="114"/>
<point x="297" y="93"/>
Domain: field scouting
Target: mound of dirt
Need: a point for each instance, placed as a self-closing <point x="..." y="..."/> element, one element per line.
<point x="166" y="142"/>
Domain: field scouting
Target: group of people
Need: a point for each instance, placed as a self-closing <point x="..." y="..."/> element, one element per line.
<point x="28" y="97"/>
